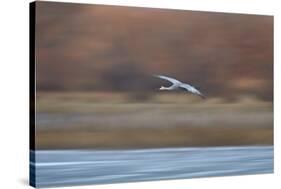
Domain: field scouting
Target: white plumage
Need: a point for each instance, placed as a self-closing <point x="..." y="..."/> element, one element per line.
<point x="179" y="85"/>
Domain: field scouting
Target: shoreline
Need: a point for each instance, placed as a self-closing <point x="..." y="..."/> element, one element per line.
<point x="153" y="138"/>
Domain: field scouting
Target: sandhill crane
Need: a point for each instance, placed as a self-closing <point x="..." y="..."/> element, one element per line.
<point x="179" y="85"/>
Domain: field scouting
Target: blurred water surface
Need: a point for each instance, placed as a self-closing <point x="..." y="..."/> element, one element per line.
<point x="76" y="167"/>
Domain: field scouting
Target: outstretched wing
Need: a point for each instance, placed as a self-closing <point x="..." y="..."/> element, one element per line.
<point x="191" y="89"/>
<point x="187" y="87"/>
<point x="172" y="80"/>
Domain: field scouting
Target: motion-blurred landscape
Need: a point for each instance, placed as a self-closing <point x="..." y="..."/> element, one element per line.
<point x="95" y="89"/>
<point x="91" y="120"/>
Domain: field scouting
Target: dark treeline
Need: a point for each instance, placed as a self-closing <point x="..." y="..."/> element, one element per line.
<point x="107" y="48"/>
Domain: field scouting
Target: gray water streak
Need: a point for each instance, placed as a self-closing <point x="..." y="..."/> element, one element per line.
<point x="73" y="167"/>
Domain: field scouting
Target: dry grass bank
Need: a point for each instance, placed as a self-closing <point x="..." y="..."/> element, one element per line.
<point x="102" y="120"/>
<point x="152" y="138"/>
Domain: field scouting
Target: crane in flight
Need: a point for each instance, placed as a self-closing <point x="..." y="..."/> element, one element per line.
<point x="179" y="85"/>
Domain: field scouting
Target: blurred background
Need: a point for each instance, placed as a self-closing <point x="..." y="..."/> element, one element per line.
<point x="95" y="89"/>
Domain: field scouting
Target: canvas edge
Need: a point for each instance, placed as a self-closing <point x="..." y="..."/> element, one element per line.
<point x="32" y="171"/>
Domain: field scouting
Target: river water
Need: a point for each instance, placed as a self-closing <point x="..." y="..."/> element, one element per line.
<point x="79" y="167"/>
